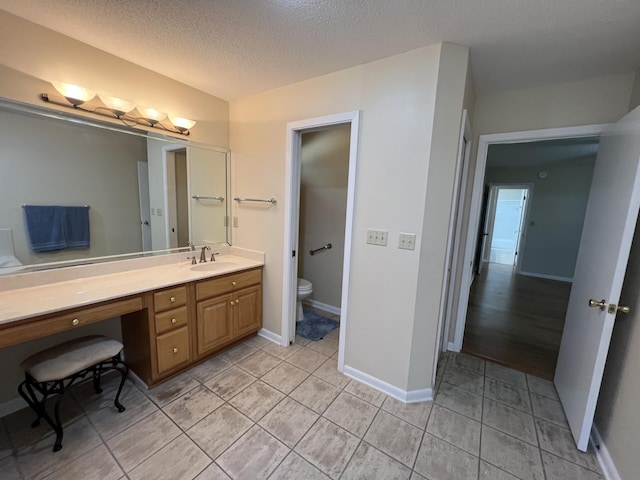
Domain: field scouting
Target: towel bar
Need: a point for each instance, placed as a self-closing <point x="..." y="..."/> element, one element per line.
<point x="204" y="197"/>
<point x="86" y="206"/>
<point x="326" y="247"/>
<point x="243" y="199"/>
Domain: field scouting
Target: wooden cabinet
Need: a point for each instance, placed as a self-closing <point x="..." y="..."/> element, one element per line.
<point x="171" y="328"/>
<point x="228" y="309"/>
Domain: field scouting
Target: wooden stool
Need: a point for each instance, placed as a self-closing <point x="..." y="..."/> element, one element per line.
<point x="52" y="371"/>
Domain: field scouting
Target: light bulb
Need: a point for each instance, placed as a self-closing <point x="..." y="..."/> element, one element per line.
<point x="181" y="124"/>
<point x="74" y="94"/>
<point x="117" y="105"/>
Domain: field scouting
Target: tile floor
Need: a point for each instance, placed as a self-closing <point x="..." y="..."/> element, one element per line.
<point x="264" y="411"/>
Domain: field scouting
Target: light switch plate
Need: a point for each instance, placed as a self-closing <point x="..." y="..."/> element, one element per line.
<point x="407" y="241"/>
<point x="377" y="237"/>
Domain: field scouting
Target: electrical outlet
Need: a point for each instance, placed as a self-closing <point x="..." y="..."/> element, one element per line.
<point x="153" y="211"/>
<point x="377" y="237"/>
<point x="159" y="211"/>
<point x="407" y="241"/>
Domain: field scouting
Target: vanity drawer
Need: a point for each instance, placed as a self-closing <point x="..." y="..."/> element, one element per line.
<point x="173" y="350"/>
<point x="170" y="298"/>
<point x="228" y="283"/>
<point x="171" y="319"/>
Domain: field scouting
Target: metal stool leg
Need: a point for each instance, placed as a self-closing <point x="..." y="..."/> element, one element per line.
<point x="124" y="371"/>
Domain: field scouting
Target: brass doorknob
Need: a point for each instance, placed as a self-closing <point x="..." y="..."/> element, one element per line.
<point x="623" y="309"/>
<point x="602" y="304"/>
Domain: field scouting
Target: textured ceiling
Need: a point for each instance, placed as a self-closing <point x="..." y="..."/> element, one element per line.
<point x="234" y="48"/>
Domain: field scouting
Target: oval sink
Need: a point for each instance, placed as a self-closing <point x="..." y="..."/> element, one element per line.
<point x="212" y="266"/>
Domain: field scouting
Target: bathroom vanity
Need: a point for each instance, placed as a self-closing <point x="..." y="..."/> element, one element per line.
<point x="173" y="315"/>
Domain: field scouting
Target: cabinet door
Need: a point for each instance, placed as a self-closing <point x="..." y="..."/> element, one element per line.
<point x="173" y="350"/>
<point x="214" y="323"/>
<point x="247" y="315"/>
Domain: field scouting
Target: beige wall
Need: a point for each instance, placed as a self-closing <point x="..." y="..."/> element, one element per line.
<point x="32" y="56"/>
<point x="323" y="208"/>
<point x="635" y="92"/>
<point x="396" y="97"/>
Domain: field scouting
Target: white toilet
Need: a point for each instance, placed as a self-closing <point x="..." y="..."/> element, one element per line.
<point x="305" y="289"/>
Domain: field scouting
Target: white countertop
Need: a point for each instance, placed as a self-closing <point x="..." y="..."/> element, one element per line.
<point x="21" y="303"/>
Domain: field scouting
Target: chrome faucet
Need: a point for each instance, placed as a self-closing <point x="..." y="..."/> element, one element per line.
<point x="203" y="253"/>
<point x="192" y="246"/>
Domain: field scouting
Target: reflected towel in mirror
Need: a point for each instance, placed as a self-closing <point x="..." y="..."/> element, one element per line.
<point x="53" y="227"/>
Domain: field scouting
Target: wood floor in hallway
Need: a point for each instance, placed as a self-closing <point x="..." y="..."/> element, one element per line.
<point x="516" y="320"/>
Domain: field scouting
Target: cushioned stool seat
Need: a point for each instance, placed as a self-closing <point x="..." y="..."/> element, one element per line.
<point x="54" y="370"/>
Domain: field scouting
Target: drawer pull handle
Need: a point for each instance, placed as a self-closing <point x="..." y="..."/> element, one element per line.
<point x="237" y="302"/>
<point x="172" y="299"/>
<point x="175" y="350"/>
<point x="75" y="321"/>
<point x="231" y="303"/>
<point x="173" y="320"/>
<point x="234" y="283"/>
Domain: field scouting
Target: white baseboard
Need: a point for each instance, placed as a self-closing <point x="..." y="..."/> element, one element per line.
<point x="452" y="347"/>
<point x="269" y="335"/>
<point x="13" y="405"/>
<point x="412" y="396"/>
<point x="548" y="277"/>
<point x="602" y="454"/>
<point x="322" y="306"/>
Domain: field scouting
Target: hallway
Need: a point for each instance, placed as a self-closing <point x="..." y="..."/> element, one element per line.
<point x="516" y="320"/>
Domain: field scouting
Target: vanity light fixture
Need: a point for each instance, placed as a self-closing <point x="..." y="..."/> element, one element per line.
<point x="127" y="112"/>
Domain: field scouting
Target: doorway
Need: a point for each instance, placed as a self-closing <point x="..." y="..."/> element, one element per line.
<point x="292" y="251"/>
<point x="540" y="238"/>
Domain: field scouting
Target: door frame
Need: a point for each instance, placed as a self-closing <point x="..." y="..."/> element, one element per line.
<point x="484" y="141"/>
<point x="292" y="216"/>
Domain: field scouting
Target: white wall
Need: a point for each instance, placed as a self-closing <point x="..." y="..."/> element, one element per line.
<point x="48" y="162"/>
<point x="635" y="93"/>
<point x="323" y="208"/>
<point x="557" y="206"/>
<point x="397" y="98"/>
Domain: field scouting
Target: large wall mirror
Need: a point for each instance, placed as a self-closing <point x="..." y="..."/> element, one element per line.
<point x="145" y="192"/>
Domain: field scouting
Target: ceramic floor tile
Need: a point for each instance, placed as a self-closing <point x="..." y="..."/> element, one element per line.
<point x="508" y="394"/>
<point x="192" y="407"/>
<point x="416" y="414"/>
<point x="328" y="447"/>
<point x="439" y="460"/>
<point x="328" y="372"/>
<point x="213" y="472"/>
<point x="256" y="400"/>
<point x="394" y="437"/>
<point x="326" y="346"/>
<point x="5" y="442"/>
<point x="259" y="363"/>
<point x="168" y="391"/>
<point x="366" y="393"/>
<point x="510" y="454"/>
<point x="109" y="422"/>
<point x="558" y="440"/>
<point x="452" y="427"/>
<point x="138" y="442"/>
<point x="315" y="394"/>
<point x="548" y="409"/>
<point x="301" y="341"/>
<point x="459" y="401"/>
<point x="285" y="377"/>
<point x="289" y="421"/>
<point x="97" y="464"/>
<point x="258" y="341"/>
<point x="296" y="467"/>
<point x="239" y="352"/>
<point x="9" y="469"/>
<point x="254" y="456"/>
<point x="351" y="413"/>
<point x="230" y="382"/>
<point x="307" y="360"/>
<point x="468" y="362"/>
<point x="509" y="420"/>
<point x="368" y="462"/>
<point x="417" y="476"/>
<point x="542" y="387"/>
<point x="557" y="468"/>
<point x="465" y="379"/>
<point x="39" y="460"/>
<point x="208" y="369"/>
<point x="217" y="431"/>
<point x="281" y="352"/>
<point x="489" y="472"/>
<point x="507" y="375"/>
<point x="180" y="459"/>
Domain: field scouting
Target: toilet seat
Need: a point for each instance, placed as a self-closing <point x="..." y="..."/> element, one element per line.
<point x="304" y="286"/>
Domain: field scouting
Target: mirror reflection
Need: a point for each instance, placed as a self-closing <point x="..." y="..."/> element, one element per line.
<point x="143" y="192"/>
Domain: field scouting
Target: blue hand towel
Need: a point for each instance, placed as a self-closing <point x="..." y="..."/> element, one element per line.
<point x="76" y="227"/>
<point x="45" y="227"/>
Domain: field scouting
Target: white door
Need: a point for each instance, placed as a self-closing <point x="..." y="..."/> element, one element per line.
<point x="608" y="229"/>
<point x="145" y="205"/>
